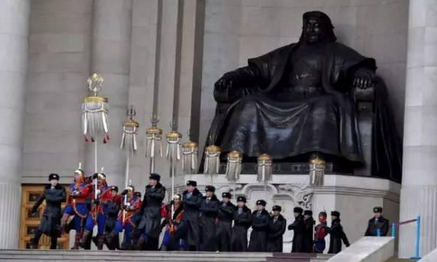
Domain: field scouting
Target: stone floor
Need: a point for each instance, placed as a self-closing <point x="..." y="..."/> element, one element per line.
<point x="93" y="256"/>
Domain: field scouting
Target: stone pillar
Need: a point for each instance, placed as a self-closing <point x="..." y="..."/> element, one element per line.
<point x="13" y="54"/>
<point x="419" y="184"/>
<point x="111" y="45"/>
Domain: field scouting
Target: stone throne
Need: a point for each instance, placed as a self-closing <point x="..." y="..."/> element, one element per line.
<point x="367" y="114"/>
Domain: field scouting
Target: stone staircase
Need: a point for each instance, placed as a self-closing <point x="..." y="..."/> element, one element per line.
<point x="101" y="256"/>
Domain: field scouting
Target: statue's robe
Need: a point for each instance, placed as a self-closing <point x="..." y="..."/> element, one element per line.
<point x="264" y="116"/>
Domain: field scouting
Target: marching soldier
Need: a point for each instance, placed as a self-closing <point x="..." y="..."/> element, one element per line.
<point x="97" y="213"/>
<point x="136" y="219"/>
<point x="208" y="216"/>
<point x="130" y="206"/>
<point x="111" y="214"/>
<point x="337" y="234"/>
<point x="79" y="193"/>
<point x="192" y="198"/>
<point x="224" y="223"/>
<point x="150" y="225"/>
<point x="378" y="223"/>
<point x="277" y="226"/>
<point x="172" y="240"/>
<point x="320" y="233"/>
<point x="54" y="194"/>
<point x="309" y="230"/>
<point x="298" y="227"/>
<point x="260" y="226"/>
<point x="242" y="222"/>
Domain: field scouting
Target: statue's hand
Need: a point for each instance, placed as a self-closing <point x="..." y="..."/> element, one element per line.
<point x="363" y="78"/>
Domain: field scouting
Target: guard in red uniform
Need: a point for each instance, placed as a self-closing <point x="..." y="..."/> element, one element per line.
<point x="320" y="233"/>
<point x="79" y="194"/>
<point x="97" y="214"/>
<point x="130" y="206"/>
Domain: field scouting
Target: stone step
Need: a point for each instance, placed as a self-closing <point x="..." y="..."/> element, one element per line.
<point x="91" y="255"/>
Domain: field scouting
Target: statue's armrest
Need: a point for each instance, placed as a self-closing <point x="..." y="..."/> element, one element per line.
<point x="234" y="94"/>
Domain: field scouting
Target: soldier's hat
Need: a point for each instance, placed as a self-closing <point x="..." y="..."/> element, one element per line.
<point x="298" y="210"/>
<point x="130" y="188"/>
<point x="308" y="212"/>
<point x="155" y="176"/>
<point x="335" y="213"/>
<point x="79" y="171"/>
<point x="241" y="199"/>
<point x="114" y="188"/>
<point x="210" y="189"/>
<point x="323" y="214"/>
<point x="138" y="194"/>
<point x="377" y="210"/>
<point x="261" y="203"/>
<point x="191" y="183"/>
<point x="53" y="177"/>
<point x="277" y="208"/>
<point x="226" y="195"/>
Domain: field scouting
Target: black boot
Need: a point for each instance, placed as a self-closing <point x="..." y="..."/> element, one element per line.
<point x="140" y="243"/>
<point x="35" y="240"/>
<point x="84" y="240"/>
<point x="54" y="242"/>
<point x="110" y="237"/>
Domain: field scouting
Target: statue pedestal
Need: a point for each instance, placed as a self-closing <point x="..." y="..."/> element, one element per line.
<point x="354" y="197"/>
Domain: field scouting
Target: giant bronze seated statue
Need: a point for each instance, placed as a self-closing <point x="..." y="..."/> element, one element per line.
<point x="308" y="98"/>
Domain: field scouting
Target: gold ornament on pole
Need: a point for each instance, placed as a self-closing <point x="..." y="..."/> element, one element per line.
<point x="95" y="111"/>
<point x="233" y="167"/>
<point x="212" y="160"/>
<point x="317" y="171"/>
<point x="265" y="170"/>
<point x="190" y="151"/>
<point x="153" y="142"/>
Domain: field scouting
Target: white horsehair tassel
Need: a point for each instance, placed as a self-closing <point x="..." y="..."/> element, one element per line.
<point x="190" y="151"/>
<point x="95" y="112"/>
<point x="233" y="167"/>
<point x="212" y="160"/>
<point x="130" y="131"/>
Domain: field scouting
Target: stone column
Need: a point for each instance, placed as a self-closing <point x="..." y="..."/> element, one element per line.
<point x="111" y="44"/>
<point x="419" y="184"/>
<point x="14" y="16"/>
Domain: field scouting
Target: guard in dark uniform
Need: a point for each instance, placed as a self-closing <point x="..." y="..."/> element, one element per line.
<point x="298" y="227"/>
<point x="378" y="225"/>
<point x="191" y="200"/>
<point x="150" y="224"/>
<point x="320" y="233"/>
<point x="277" y="226"/>
<point x="260" y="227"/>
<point x="54" y="194"/>
<point x="337" y="234"/>
<point x="242" y="222"/>
<point x="224" y="223"/>
<point x="208" y="216"/>
<point x="111" y="217"/>
<point x="309" y="229"/>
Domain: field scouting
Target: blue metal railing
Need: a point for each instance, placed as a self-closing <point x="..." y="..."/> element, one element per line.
<point x="418" y="228"/>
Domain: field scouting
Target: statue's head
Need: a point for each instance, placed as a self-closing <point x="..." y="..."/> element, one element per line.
<point x="317" y="27"/>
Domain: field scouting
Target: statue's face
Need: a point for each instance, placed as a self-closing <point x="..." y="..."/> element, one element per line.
<point x="313" y="30"/>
